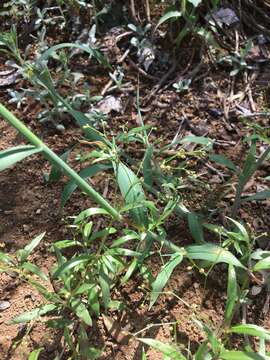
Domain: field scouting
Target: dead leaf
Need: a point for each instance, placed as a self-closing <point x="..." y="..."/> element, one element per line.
<point x="6" y="80"/>
<point x="110" y="103"/>
<point x="114" y="329"/>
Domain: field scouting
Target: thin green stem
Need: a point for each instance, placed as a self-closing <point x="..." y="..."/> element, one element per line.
<point x="56" y="160"/>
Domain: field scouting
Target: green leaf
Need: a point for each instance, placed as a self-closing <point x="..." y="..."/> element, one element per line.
<point x="252" y="330"/>
<point x="132" y="267"/>
<point x="143" y="355"/>
<point x="35" y="354"/>
<point x="68" y="265"/>
<point x="147" y="167"/>
<point x="71" y="186"/>
<point x="174" y="14"/>
<point x="33" y="314"/>
<point x="6" y="259"/>
<point x="195" y="228"/>
<point x="64" y="244"/>
<point x="90" y="212"/>
<point x="263" y="264"/>
<point x="163" y="277"/>
<point x="261" y="195"/>
<point x="35" y="270"/>
<point x="231" y="294"/>
<point x="240" y="355"/>
<point x="24" y="253"/>
<point x="195" y="3"/>
<point x="132" y="192"/>
<point x="93" y="301"/>
<point x="58" y="323"/>
<point x="222" y="160"/>
<point x="80" y="310"/>
<point x="203" y="353"/>
<point x="56" y="172"/>
<point x="215" y="344"/>
<point x="91" y="51"/>
<point x="199" y="140"/>
<point x="12" y="156"/>
<point x="124" y="239"/>
<point x="212" y="253"/>
<point x="242" y="230"/>
<point x="165" y="349"/>
<point x="249" y="165"/>
<point x="104" y="282"/>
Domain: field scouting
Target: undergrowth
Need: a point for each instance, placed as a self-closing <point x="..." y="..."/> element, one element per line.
<point x="115" y="241"/>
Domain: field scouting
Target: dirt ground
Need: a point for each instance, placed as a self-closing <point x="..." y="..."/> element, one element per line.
<point x="29" y="205"/>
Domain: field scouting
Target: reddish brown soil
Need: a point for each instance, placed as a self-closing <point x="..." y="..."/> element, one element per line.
<point x="29" y="206"/>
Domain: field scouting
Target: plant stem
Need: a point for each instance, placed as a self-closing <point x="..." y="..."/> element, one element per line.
<point x="56" y="160"/>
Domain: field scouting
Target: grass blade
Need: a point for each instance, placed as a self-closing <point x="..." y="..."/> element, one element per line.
<point x="252" y="330"/>
<point x="212" y="253"/>
<point x="240" y="355"/>
<point x="33" y="314"/>
<point x="163" y="277"/>
<point x="12" y="156"/>
<point x="195" y="228"/>
<point x="71" y="186"/>
<point x="165" y="349"/>
<point x="24" y="253"/>
<point x="35" y="354"/>
<point x="132" y="192"/>
<point x="231" y="295"/>
<point x="263" y="264"/>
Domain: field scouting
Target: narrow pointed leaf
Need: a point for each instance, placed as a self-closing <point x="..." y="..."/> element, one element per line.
<point x="88" y="172"/>
<point x="240" y="355"/>
<point x="263" y="264"/>
<point x="35" y="354"/>
<point x="174" y="14"/>
<point x="35" y="270"/>
<point x="132" y="192"/>
<point x="24" y="253"/>
<point x="147" y="167"/>
<point x="213" y="253"/>
<point x="262" y="195"/>
<point x="165" y="349"/>
<point x="91" y="51"/>
<point x="231" y="294"/>
<point x="68" y="265"/>
<point x="222" y="160"/>
<point x="195" y="228"/>
<point x="80" y="310"/>
<point x="12" y="156"/>
<point x="252" y="330"/>
<point x="163" y="277"/>
<point x="33" y="314"/>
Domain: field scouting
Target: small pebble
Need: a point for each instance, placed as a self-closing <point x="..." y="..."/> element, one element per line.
<point x="4" y="305"/>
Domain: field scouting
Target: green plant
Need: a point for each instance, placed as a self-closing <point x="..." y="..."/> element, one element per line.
<point x="11" y="156"/>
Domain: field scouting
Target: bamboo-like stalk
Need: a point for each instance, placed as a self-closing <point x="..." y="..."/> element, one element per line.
<point x="56" y="160"/>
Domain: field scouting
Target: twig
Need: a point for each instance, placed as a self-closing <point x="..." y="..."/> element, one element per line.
<point x="161" y="82"/>
<point x="133" y="11"/>
<point x="140" y="70"/>
<point x="147" y="10"/>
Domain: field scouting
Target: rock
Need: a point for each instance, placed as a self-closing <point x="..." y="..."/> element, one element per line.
<point x="4" y="305"/>
<point x="224" y="16"/>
